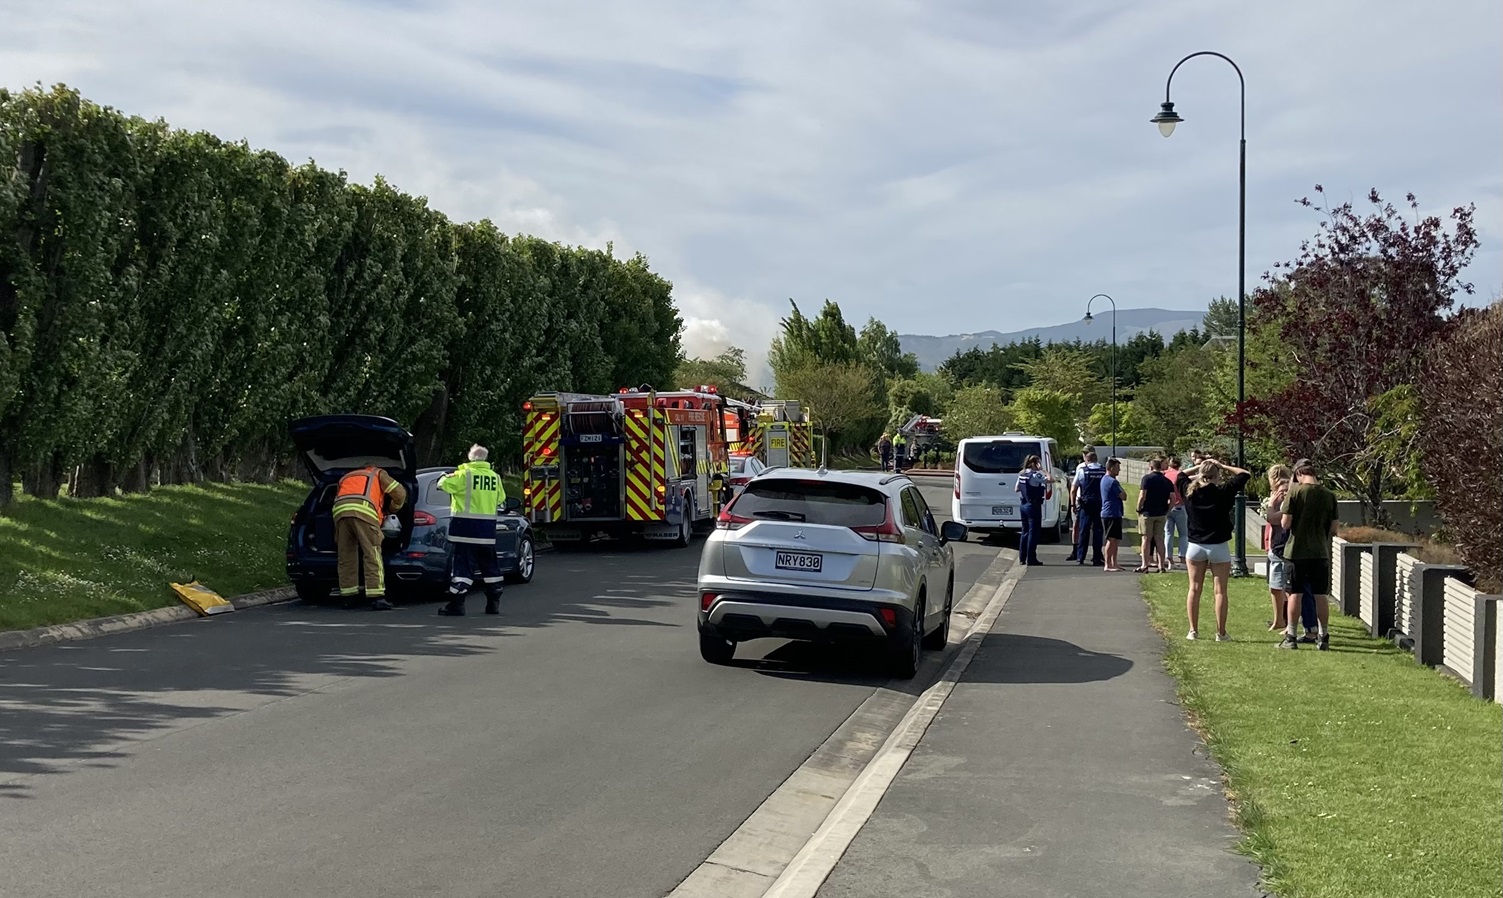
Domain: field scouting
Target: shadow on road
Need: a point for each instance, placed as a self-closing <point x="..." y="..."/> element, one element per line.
<point x="84" y="704"/>
<point x="1015" y="658"/>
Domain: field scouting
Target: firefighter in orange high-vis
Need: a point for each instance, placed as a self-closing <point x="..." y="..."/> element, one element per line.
<point x="364" y="498"/>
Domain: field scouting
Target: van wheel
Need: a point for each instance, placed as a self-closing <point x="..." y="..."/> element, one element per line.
<point x="908" y="650"/>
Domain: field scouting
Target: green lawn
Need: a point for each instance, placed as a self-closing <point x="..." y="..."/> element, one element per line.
<point x="68" y="559"/>
<point x="1355" y="772"/>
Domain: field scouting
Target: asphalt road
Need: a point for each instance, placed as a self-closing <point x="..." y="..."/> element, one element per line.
<point x="576" y="745"/>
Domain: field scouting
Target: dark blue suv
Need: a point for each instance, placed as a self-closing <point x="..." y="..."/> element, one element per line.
<point x="417" y="559"/>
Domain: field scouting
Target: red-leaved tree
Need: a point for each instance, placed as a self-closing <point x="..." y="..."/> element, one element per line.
<point x="1355" y="313"/>
<point x="1461" y="394"/>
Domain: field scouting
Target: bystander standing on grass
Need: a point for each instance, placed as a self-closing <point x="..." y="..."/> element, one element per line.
<point x="1309" y="514"/>
<point x="1210" y="497"/>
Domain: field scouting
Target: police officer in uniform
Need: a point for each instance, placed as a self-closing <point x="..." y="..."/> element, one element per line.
<point x="1034" y="488"/>
<point x="475" y="495"/>
<point x="1088" y="508"/>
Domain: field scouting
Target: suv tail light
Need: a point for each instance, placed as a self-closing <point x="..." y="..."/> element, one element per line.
<point x="423" y="519"/>
<point x="706" y="599"/>
<point x="886" y="532"/>
<point x="728" y="521"/>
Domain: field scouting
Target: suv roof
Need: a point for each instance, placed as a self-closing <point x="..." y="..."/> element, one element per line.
<point x="860" y="478"/>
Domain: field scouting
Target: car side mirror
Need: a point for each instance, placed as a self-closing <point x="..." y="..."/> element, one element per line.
<point x="952" y="532"/>
<point x="513" y="504"/>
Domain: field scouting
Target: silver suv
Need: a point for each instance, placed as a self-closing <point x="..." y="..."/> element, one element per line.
<point x="828" y="556"/>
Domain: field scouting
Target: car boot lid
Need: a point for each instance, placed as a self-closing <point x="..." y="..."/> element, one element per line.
<point x="334" y="444"/>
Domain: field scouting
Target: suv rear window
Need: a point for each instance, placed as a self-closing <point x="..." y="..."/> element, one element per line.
<point x="812" y="502"/>
<point x="998" y="456"/>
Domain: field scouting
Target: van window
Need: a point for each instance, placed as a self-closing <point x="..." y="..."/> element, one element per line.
<point x="999" y="456"/>
<point x="812" y="502"/>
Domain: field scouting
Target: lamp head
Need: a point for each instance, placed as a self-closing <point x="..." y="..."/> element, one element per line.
<point x="1088" y="318"/>
<point x="1166" y="119"/>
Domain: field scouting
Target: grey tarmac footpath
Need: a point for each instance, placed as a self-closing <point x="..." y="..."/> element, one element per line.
<point x="125" y="623"/>
<point x="1062" y="765"/>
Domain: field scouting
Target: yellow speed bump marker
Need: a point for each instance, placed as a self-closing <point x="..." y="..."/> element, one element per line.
<point x="201" y="598"/>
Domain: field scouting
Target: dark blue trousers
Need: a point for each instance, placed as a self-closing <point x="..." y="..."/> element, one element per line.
<point x="1091" y="532"/>
<point x="1028" y="539"/>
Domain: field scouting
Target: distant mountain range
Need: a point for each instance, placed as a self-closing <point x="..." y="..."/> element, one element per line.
<point x="933" y="351"/>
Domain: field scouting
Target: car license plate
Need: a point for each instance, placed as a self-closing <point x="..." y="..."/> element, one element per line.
<point x="798" y="561"/>
<point x="1001" y="511"/>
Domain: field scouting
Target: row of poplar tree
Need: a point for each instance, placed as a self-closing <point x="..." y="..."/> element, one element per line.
<point x="170" y="300"/>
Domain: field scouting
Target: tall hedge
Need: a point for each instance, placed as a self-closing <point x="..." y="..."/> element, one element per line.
<point x="169" y="300"/>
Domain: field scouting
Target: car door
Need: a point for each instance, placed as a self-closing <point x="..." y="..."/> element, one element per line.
<point x="943" y="556"/>
<point x="923" y="536"/>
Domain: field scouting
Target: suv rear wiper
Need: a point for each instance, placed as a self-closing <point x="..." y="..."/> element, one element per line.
<point x="779" y="515"/>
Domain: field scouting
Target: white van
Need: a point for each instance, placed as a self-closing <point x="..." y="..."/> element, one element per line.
<point x="986" y="477"/>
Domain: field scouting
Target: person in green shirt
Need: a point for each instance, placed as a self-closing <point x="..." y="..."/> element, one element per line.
<point x="1309" y="514"/>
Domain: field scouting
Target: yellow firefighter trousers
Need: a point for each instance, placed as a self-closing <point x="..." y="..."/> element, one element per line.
<point x="358" y="542"/>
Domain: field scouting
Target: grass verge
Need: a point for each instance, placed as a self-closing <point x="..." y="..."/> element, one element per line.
<point x="1355" y="772"/>
<point x="64" y="560"/>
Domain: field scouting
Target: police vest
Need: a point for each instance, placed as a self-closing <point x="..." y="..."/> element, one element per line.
<point x="1033" y="485"/>
<point x="1090" y="486"/>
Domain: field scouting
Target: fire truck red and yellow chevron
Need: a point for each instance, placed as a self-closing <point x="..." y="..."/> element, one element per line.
<point x="800" y="443"/>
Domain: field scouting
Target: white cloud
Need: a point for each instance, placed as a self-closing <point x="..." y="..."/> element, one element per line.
<point x="945" y="167"/>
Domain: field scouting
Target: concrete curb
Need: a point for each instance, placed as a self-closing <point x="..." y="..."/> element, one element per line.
<point x="124" y="623"/>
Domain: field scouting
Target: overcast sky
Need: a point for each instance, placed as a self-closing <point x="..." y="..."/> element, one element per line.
<point x="944" y="165"/>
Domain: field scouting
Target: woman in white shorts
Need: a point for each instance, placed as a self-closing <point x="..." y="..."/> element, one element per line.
<point x="1210" y="499"/>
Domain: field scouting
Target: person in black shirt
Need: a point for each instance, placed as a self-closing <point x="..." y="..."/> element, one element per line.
<point x="1155" y="494"/>
<point x="1210" y="498"/>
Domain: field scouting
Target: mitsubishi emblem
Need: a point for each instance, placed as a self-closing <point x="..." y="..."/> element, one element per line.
<point x="799" y="535"/>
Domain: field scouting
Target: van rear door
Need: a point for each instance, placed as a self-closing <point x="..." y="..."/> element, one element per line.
<point x="988" y="479"/>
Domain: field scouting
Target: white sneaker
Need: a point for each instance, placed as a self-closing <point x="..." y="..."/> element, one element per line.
<point x="1223" y="637"/>
<point x="1191" y="635"/>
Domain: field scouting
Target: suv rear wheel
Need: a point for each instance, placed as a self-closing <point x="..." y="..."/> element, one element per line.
<point x="908" y="650"/>
<point x="716" y="650"/>
<point x="941" y="635"/>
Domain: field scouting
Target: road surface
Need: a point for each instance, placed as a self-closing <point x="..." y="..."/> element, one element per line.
<point x="576" y="745"/>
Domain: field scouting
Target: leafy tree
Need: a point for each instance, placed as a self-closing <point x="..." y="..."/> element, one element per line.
<point x="1071" y="371"/>
<point x="999" y="366"/>
<point x="1132" y="430"/>
<point x="1351" y="311"/>
<point x="1221" y="318"/>
<point x="842" y="399"/>
<point x="1462" y="437"/>
<point x="880" y="350"/>
<point x="1049" y="413"/>
<point x="726" y="371"/>
<point x="640" y="328"/>
<point x="807" y="342"/>
<point x="977" y="411"/>
<point x="1174" y="404"/>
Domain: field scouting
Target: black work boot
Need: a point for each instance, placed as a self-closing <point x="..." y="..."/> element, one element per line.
<point x="380" y="604"/>
<point x="493" y="605"/>
<point x="455" y="608"/>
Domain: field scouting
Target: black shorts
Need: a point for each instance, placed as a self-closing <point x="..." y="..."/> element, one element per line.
<point x="1113" y="527"/>
<point x="1313" y="574"/>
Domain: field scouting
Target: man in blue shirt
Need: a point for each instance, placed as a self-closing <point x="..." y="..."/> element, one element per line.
<point x="1112" y="510"/>
<point x="1088" y="509"/>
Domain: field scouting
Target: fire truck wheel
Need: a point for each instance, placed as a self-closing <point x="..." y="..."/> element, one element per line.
<point x="686" y="523"/>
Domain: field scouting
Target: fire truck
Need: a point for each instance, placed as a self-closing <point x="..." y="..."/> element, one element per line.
<point x="637" y="463"/>
<point x="780" y="433"/>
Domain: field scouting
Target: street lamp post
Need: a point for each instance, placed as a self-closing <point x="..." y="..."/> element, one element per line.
<point x="1166" y="120"/>
<point x="1088" y="320"/>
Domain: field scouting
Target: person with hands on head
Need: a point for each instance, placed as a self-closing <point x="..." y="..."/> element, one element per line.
<point x="1210" y="499"/>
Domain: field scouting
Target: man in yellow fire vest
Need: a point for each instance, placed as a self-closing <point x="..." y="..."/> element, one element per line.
<point x="475" y="496"/>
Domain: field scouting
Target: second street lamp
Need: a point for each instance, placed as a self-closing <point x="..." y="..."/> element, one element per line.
<point x="1166" y="119"/>
<point x="1088" y="320"/>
